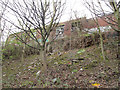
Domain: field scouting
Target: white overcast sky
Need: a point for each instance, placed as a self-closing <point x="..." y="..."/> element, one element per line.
<point x="74" y="5"/>
<point x="79" y="6"/>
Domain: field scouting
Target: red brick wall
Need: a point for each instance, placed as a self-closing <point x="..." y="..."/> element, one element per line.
<point x="67" y="29"/>
<point x="102" y="22"/>
<point x="86" y="23"/>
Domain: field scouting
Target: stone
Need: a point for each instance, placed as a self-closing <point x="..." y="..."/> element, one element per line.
<point x="81" y="69"/>
<point x="25" y="77"/>
<point x="30" y="67"/>
<point x="32" y="63"/>
<point x="108" y="51"/>
<point x="38" y="73"/>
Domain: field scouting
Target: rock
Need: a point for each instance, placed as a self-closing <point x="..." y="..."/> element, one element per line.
<point x="4" y="75"/>
<point x="59" y="53"/>
<point x="25" y="77"/>
<point x="54" y="80"/>
<point x="32" y="63"/>
<point x="11" y="68"/>
<point x="19" y="72"/>
<point x="81" y="69"/>
<point x="38" y="73"/>
<point x="30" y="67"/>
<point x="56" y="63"/>
<point x="108" y="51"/>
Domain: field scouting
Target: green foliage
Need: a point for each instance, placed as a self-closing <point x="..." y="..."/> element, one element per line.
<point x="14" y="51"/>
<point x="11" y="52"/>
<point x="86" y="35"/>
<point x="81" y="51"/>
<point x="26" y="83"/>
<point x="75" y="70"/>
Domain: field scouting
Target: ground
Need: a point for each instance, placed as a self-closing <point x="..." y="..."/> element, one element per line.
<point x="88" y="72"/>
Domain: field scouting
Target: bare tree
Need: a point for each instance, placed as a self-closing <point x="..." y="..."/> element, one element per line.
<point x="79" y="24"/>
<point x="2" y="26"/>
<point x="116" y="10"/>
<point x="40" y="16"/>
<point x="2" y="29"/>
<point x="76" y="24"/>
<point x="101" y="38"/>
<point x="100" y="34"/>
<point x="113" y="9"/>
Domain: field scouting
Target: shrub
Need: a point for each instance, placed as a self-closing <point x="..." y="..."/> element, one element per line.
<point x="14" y="51"/>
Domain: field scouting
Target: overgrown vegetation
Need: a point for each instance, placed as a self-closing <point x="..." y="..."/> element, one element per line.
<point x="89" y="71"/>
<point x="83" y="60"/>
<point x="14" y="51"/>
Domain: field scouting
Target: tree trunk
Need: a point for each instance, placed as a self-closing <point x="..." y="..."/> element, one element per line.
<point x="44" y="59"/>
<point x="118" y="46"/>
<point x="0" y="55"/>
<point x="71" y="41"/>
<point x="101" y="44"/>
<point x="101" y="39"/>
<point x="23" y="52"/>
<point x="0" y="46"/>
<point x="0" y="41"/>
